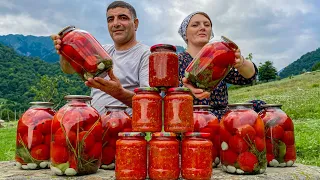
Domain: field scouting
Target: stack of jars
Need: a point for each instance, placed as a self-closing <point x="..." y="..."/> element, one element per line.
<point x="172" y="113"/>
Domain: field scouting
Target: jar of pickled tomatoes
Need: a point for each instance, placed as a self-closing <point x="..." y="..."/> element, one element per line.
<point x="83" y="54"/>
<point x="163" y="66"/>
<point x="131" y="156"/>
<point x="146" y="110"/>
<point x="114" y="121"/>
<point x="34" y="136"/>
<point x="205" y="121"/>
<point x="242" y="140"/>
<point x="76" y="138"/>
<point x="164" y="156"/>
<point x="178" y="110"/>
<point x="280" y="143"/>
<point x="196" y="156"/>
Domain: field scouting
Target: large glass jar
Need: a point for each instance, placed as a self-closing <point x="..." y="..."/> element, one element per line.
<point x="178" y="110"/>
<point x="205" y="121"/>
<point x="280" y="143"/>
<point x="76" y="138"/>
<point x="164" y="156"/>
<point x="211" y="64"/>
<point x="146" y="110"/>
<point x="196" y="156"/>
<point x="83" y="53"/>
<point x="131" y="156"/>
<point x="242" y="140"/>
<point x="34" y="136"/>
<point x="114" y="121"/>
<point x="163" y="66"/>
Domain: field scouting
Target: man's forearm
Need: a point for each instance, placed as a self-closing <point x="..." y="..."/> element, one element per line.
<point x="125" y="96"/>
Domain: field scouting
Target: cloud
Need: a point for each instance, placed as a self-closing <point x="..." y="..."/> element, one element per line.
<point x="276" y="30"/>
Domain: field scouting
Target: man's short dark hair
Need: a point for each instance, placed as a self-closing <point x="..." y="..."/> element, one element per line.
<point x="123" y="4"/>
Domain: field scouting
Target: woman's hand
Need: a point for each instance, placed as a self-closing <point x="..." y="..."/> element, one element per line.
<point x="239" y="60"/>
<point x="198" y="93"/>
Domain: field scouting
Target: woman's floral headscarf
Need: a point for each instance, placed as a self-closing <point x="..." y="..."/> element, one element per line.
<point x="183" y="27"/>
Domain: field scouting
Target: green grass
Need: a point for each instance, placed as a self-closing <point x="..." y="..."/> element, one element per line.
<point x="300" y="97"/>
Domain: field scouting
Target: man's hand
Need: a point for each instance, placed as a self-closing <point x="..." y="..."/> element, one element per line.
<point x="57" y="42"/>
<point x="198" y="93"/>
<point x="112" y="86"/>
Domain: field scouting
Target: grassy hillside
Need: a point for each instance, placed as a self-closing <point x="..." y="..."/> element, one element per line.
<point x="300" y="97"/>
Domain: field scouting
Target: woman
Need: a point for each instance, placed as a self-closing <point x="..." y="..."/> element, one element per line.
<point x="196" y="31"/>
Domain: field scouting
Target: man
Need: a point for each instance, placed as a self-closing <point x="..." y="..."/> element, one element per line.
<point x="130" y="60"/>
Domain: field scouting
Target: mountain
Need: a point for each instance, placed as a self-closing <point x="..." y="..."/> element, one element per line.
<point x="31" y="46"/>
<point x="304" y="63"/>
<point x="18" y="74"/>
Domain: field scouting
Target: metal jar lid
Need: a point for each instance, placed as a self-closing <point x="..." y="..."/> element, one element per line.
<point x="230" y="43"/>
<point x="163" y="47"/>
<point x="82" y="97"/>
<point x="66" y="29"/>
<point x="164" y="134"/>
<point x="197" y="134"/>
<point x="147" y="89"/>
<point x="131" y="134"/>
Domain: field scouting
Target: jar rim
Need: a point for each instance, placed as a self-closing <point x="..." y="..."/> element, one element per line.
<point x="271" y="105"/>
<point x="197" y="134"/>
<point x="148" y="89"/>
<point x="131" y="134"/>
<point x="164" y="134"/>
<point x="230" y="43"/>
<point x="66" y="29"/>
<point x="201" y="106"/>
<point x="82" y="97"/>
<point x="178" y="89"/>
<point x="116" y="107"/>
<point x="165" y="46"/>
<point x="41" y="103"/>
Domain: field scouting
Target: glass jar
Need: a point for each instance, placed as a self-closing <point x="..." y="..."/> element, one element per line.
<point x="205" y="121"/>
<point x="242" y="140"/>
<point x="131" y="156"/>
<point x="280" y="143"/>
<point x="178" y="110"/>
<point x="76" y="138"/>
<point x="83" y="53"/>
<point x="196" y="156"/>
<point x="146" y="110"/>
<point x="211" y="64"/>
<point x="164" y="156"/>
<point x="114" y="121"/>
<point x="34" y="136"/>
<point x="163" y="66"/>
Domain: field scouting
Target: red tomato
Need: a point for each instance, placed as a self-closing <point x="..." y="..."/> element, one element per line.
<point x="34" y="139"/>
<point x="72" y="120"/>
<point x="22" y="128"/>
<point x="208" y="130"/>
<point x="228" y="157"/>
<point x="224" y="135"/>
<point x="259" y="143"/>
<point x="245" y="132"/>
<point x="41" y="152"/>
<point x="60" y="137"/>
<point x="214" y="125"/>
<point x="105" y="138"/>
<point x="231" y="122"/>
<point x="247" y="161"/>
<point x="73" y="162"/>
<point x="47" y="139"/>
<point x="96" y="131"/>
<point x="269" y="146"/>
<point x="114" y="126"/>
<point x="55" y="125"/>
<point x="112" y="143"/>
<point x="238" y="144"/>
<point x="204" y="62"/>
<point x="95" y="152"/>
<point x="270" y="157"/>
<point x="287" y="124"/>
<point x="259" y="128"/>
<point x="199" y="122"/>
<point x="91" y="64"/>
<point x="290" y="153"/>
<point x="275" y="132"/>
<point x="59" y="154"/>
<point x="44" y="126"/>
<point x="67" y="51"/>
<point x="108" y="155"/>
<point x="288" y="138"/>
<point x="90" y="115"/>
<point x="218" y="72"/>
<point x="87" y="140"/>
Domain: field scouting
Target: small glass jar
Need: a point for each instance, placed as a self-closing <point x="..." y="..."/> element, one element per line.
<point x="34" y="136"/>
<point x="163" y="66"/>
<point x="178" y="110"/>
<point x="211" y="64"/>
<point x="83" y="53"/>
<point x="205" y="121"/>
<point x="196" y="156"/>
<point x="164" y="156"/>
<point x="242" y="140"/>
<point x="280" y="143"/>
<point x="146" y="110"/>
<point x="131" y="156"/>
<point x="76" y="138"/>
<point x="114" y="121"/>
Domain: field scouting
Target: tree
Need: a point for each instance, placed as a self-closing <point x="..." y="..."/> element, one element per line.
<point x="249" y="57"/>
<point x="316" y="66"/>
<point x="267" y="71"/>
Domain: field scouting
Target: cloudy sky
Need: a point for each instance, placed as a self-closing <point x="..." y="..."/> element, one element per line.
<point x="277" y="30"/>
